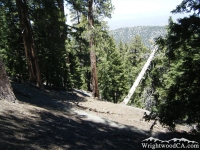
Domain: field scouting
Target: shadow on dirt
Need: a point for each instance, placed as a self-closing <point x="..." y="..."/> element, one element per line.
<point x="49" y="99"/>
<point x="56" y="128"/>
<point x="56" y="131"/>
<point x="51" y="131"/>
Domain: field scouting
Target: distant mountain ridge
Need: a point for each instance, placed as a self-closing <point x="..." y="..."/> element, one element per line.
<point x="147" y="33"/>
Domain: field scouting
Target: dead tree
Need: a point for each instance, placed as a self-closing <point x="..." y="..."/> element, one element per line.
<point x="140" y="76"/>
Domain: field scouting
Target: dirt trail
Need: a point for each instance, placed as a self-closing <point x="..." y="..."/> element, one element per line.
<point x="49" y="119"/>
<point x="123" y="114"/>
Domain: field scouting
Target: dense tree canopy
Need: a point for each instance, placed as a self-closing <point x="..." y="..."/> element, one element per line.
<point x="178" y="87"/>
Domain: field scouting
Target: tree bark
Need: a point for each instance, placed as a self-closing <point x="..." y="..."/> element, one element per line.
<point x="95" y="91"/>
<point x="6" y="91"/>
<point x="61" y="6"/>
<point x="140" y="76"/>
<point x="29" y="45"/>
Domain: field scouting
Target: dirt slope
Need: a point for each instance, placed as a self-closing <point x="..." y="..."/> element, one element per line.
<point x="49" y="119"/>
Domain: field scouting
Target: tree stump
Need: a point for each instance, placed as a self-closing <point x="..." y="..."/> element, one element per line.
<point x="6" y="91"/>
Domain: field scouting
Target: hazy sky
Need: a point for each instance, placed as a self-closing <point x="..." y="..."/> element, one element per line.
<point x="129" y="13"/>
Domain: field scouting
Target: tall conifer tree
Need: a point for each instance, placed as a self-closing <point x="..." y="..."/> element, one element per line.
<point x="29" y="45"/>
<point x="178" y="96"/>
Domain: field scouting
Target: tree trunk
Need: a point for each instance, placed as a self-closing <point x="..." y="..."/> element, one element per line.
<point x="63" y="20"/>
<point x="6" y="91"/>
<point x="61" y="6"/>
<point x="95" y="91"/>
<point x="29" y="46"/>
<point x="140" y="76"/>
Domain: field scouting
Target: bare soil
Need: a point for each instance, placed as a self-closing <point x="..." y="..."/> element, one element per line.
<point x="59" y="120"/>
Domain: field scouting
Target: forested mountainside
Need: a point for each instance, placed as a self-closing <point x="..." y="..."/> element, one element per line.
<point x="147" y="33"/>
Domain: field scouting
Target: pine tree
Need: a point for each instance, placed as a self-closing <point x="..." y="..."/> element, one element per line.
<point x="51" y="37"/>
<point x="136" y="57"/>
<point x="179" y="94"/>
<point x="62" y="50"/>
<point x="95" y="9"/>
<point x="80" y="46"/>
<point x="29" y="45"/>
<point x="113" y="80"/>
<point x="11" y="43"/>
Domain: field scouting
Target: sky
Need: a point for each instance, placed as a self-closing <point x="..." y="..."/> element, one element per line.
<point x="130" y="13"/>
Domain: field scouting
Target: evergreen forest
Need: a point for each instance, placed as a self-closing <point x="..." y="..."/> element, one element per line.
<point x="147" y="33"/>
<point x="37" y="45"/>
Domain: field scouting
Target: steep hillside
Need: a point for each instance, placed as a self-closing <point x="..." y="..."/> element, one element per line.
<point x="59" y="120"/>
<point x="147" y="33"/>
